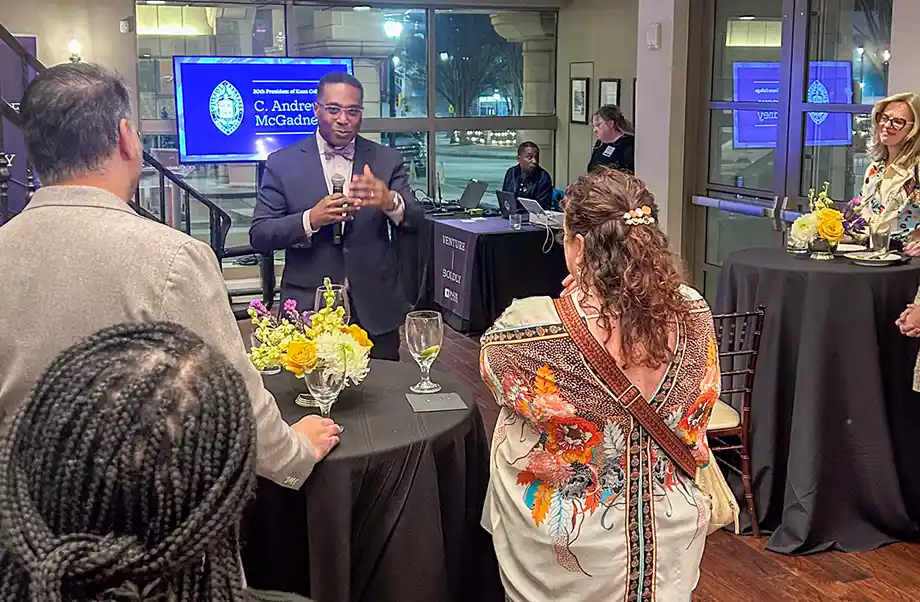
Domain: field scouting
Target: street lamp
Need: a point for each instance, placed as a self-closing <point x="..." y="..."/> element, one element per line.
<point x="444" y="57"/>
<point x="393" y="29"/>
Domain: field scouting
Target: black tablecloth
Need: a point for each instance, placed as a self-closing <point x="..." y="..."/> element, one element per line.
<point x="392" y="514"/>
<point x="834" y="418"/>
<point x="508" y="265"/>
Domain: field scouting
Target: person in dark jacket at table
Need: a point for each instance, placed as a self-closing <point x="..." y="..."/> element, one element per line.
<point x="616" y="141"/>
<point x="527" y="179"/>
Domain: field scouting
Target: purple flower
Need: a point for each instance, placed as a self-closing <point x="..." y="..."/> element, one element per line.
<point x="853" y="221"/>
<point x="258" y="306"/>
<point x="290" y="308"/>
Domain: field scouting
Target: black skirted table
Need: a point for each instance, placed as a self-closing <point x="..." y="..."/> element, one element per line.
<point x="393" y="514"/>
<point x="490" y="266"/>
<point x="835" y="444"/>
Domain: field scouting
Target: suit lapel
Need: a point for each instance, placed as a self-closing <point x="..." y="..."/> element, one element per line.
<point x="314" y="167"/>
<point x="363" y="151"/>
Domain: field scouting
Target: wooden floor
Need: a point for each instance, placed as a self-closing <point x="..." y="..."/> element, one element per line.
<point x="737" y="568"/>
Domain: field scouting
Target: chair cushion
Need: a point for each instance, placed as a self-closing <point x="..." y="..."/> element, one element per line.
<point x="723" y="417"/>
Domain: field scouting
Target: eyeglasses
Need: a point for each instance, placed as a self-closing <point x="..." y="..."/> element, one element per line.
<point x="336" y="110"/>
<point x="896" y="123"/>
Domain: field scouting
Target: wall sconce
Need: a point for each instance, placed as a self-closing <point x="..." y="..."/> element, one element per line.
<point x="74" y="48"/>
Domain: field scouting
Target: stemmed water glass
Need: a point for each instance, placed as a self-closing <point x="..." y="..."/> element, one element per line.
<point x="340" y="300"/>
<point x="325" y="382"/>
<point x="424" y="334"/>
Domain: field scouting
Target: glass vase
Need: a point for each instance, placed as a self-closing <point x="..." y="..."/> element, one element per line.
<point x="822" y="250"/>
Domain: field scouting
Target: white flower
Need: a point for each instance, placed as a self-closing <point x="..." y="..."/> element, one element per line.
<point x="336" y="347"/>
<point x="804" y="230"/>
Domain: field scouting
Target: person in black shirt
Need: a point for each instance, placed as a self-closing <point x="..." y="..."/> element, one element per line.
<point x="616" y="141"/>
<point x="527" y="179"/>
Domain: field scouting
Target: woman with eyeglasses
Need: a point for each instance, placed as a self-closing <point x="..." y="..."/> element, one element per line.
<point x="891" y="187"/>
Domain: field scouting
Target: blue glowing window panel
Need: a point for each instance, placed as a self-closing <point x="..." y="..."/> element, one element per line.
<point x="242" y="109"/>
<point x="829" y="82"/>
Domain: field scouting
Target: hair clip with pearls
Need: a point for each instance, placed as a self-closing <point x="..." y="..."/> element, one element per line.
<point x="641" y="215"/>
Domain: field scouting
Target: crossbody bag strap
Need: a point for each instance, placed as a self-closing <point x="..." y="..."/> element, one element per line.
<point x="627" y="394"/>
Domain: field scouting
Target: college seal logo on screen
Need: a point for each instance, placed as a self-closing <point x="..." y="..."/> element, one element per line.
<point x="818" y="94"/>
<point x="226" y="107"/>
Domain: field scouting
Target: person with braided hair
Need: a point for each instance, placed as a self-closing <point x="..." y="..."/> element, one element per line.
<point x="125" y="474"/>
<point x="78" y="258"/>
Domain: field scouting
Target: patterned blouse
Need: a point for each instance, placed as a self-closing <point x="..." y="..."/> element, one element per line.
<point x="889" y="195"/>
<point x="583" y="505"/>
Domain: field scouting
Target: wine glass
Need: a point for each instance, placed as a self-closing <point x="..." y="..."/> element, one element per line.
<point x="326" y="381"/>
<point x="340" y="300"/>
<point x="424" y="334"/>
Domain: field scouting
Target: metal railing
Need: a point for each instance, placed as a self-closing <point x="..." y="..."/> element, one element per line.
<point x="219" y="221"/>
<point x="778" y="212"/>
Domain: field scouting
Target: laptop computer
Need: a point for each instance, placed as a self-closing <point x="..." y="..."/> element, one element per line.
<point x="540" y="216"/>
<point x="507" y="202"/>
<point x="472" y="194"/>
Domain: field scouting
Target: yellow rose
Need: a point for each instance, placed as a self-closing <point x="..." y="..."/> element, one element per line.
<point x="830" y="225"/>
<point x="359" y="335"/>
<point x="300" y="357"/>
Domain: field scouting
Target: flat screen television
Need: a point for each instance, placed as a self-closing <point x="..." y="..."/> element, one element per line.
<point x="241" y="109"/>
<point x="829" y="82"/>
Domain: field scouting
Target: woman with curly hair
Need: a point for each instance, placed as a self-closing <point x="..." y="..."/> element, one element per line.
<point x="605" y="396"/>
<point x="125" y="474"/>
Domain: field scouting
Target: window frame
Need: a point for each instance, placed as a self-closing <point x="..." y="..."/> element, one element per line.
<point x="792" y="106"/>
<point x="431" y="124"/>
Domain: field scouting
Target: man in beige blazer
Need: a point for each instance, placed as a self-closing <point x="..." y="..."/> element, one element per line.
<point x="78" y="259"/>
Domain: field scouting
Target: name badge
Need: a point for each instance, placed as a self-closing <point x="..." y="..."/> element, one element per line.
<point x="608" y="151"/>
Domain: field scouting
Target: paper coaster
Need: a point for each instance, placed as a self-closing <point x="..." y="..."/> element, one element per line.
<point x="436" y="402"/>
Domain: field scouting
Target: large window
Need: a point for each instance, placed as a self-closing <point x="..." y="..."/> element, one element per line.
<point x="454" y="90"/>
<point x="388" y="47"/>
<point x="790" y="95"/>
<point x="480" y="66"/>
<point x="792" y="86"/>
<point x="167" y="30"/>
<point x="486" y="157"/>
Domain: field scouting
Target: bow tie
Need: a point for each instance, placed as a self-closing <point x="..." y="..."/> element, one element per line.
<point x="346" y="152"/>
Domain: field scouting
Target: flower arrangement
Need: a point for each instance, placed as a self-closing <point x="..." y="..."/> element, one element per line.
<point x="298" y="341"/>
<point x="822" y="228"/>
<point x="854" y="224"/>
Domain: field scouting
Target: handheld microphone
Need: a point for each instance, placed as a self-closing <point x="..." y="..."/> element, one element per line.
<point x="338" y="187"/>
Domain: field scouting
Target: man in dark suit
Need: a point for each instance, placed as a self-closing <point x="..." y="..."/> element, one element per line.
<point x="297" y="211"/>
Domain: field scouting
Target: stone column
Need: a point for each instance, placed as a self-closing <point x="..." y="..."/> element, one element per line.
<point x="535" y="31"/>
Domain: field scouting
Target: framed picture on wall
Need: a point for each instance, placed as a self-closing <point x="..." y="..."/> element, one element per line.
<point x="609" y="90"/>
<point x="578" y="100"/>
